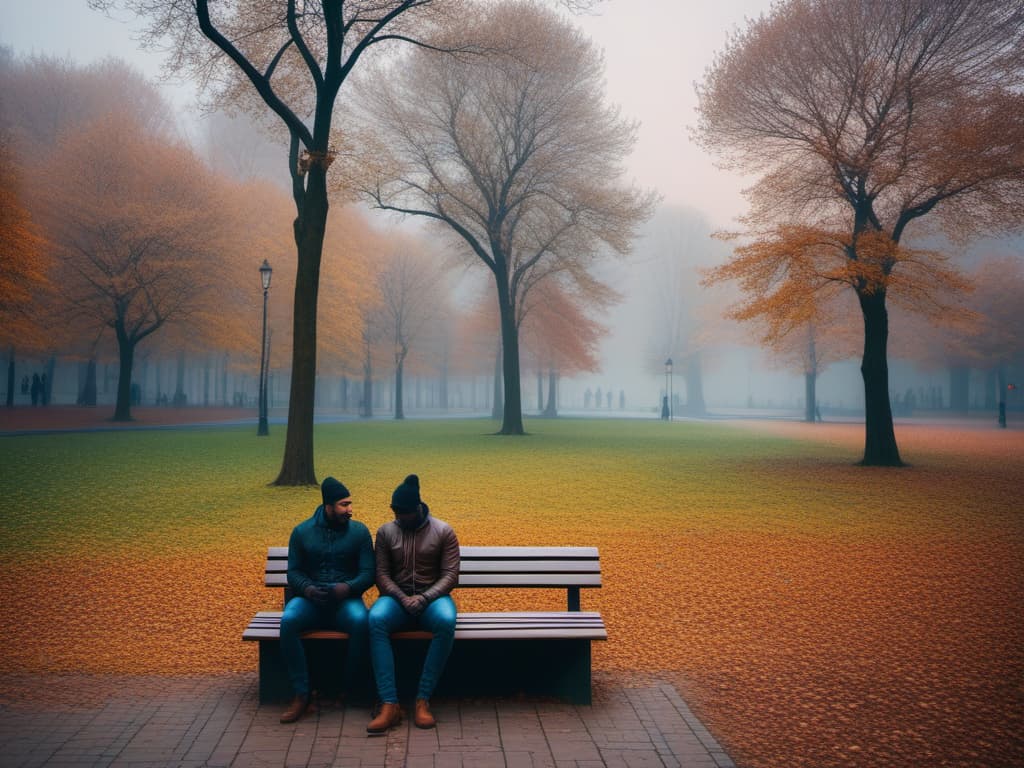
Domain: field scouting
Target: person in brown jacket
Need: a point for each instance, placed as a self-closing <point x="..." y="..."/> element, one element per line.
<point x="417" y="560"/>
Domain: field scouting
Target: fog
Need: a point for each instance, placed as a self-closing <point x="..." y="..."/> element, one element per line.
<point x="654" y="52"/>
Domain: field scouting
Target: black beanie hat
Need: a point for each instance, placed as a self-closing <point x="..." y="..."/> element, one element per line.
<point x="406" y="497"/>
<point x="332" y="490"/>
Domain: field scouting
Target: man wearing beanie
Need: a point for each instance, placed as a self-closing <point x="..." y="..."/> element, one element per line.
<point x="417" y="566"/>
<point x="330" y="565"/>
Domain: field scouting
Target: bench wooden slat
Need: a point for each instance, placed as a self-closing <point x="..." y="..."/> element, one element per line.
<point x="468" y="626"/>
<point x="493" y="552"/>
<point x="530" y="566"/>
<point x="495" y="566"/>
<point x="534" y="553"/>
<point x="509" y="580"/>
<point x="537" y="580"/>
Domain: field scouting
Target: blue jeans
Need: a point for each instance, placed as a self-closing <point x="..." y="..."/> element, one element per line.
<point x="302" y="615"/>
<point x="387" y="616"/>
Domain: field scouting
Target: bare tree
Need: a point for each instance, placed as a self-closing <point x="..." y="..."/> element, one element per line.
<point x="515" y="154"/>
<point x="135" y="223"/>
<point x="293" y="59"/>
<point x="409" y="286"/>
<point x="864" y="117"/>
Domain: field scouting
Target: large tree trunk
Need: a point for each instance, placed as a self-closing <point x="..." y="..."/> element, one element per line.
<point x="810" y="397"/>
<point x="297" y="465"/>
<point x="551" y="410"/>
<point x="959" y="388"/>
<point x="87" y="395"/>
<point x="512" y="418"/>
<point x="496" y="398"/>
<point x="126" y="354"/>
<point x="399" y="366"/>
<point x="880" y="448"/>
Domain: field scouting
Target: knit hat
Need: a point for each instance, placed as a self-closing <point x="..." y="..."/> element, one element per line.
<point x="332" y="490"/>
<point x="406" y="497"/>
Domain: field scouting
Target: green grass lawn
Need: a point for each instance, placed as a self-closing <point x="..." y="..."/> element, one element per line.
<point x="804" y="604"/>
<point x="166" y="490"/>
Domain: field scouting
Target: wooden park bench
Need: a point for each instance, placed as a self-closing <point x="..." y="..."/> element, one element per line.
<point x="537" y="652"/>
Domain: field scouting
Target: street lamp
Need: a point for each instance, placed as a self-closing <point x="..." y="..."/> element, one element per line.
<point x="668" y="385"/>
<point x="262" y="430"/>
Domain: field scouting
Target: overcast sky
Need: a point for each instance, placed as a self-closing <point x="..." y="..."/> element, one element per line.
<point x="654" y="50"/>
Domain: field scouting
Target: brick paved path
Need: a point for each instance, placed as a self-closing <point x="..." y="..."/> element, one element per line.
<point x="216" y="721"/>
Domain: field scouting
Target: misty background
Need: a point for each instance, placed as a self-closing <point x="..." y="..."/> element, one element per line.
<point x="654" y="52"/>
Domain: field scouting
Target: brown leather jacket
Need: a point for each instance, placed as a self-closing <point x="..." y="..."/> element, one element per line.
<point x="421" y="562"/>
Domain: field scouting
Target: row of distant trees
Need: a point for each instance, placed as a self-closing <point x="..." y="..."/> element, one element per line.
<point x="506" y="144"/>
<point x="117" y="235"/>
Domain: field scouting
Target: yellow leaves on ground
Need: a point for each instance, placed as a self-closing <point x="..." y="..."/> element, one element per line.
<point x="813" y="612"/>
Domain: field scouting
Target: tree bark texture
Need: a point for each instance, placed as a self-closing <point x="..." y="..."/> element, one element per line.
<point x="512" y="408"/>
<point x="810" y="396"/>
<point x="880" y="448"/>
<point x="297" y="466"/>
<point x="551" y="410"/>
<point x="87" y="396"/>
<point x="399" y="409"/>
<point x="126" y="354"/>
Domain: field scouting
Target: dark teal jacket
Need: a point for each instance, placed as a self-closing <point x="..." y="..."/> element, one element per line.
<point x="321" y="555"/>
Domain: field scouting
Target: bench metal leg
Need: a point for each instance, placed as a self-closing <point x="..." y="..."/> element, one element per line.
<point x="559" y="668"/>
<point x="549" y="667"/>
<point x="274" y="684"/>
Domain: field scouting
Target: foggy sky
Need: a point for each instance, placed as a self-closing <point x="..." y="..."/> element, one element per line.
<point x="654" y="52"/>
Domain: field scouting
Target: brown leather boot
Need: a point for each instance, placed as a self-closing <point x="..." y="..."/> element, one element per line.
<point x="296" y="709"/>
<point x="390" y="716"/>
<point x="423" y="718"/>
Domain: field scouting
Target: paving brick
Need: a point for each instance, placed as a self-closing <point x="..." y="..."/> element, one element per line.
<point x="216" y="721"/>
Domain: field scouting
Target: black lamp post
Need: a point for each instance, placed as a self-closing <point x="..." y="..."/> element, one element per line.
<point x="262" y="430"/>
<point x="668" y="385"/>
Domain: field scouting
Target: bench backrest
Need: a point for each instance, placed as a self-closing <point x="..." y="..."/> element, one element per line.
<point x="569" y="568"/>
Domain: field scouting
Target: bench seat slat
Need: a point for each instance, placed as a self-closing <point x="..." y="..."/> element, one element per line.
<point x="496" y="566"/>
<point x="497" y="580"/>
<point x="469" y="626"/>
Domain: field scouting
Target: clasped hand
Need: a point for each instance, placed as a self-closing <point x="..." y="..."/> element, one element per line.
<point x="322" y="595"/>
<point x="414" y="605"/>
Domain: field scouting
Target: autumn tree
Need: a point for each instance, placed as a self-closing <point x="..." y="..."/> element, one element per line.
<point x="514" y="154"/>
<point x="987" y="336"/>
<point x="562" y="336"/>
<point x="135" y="223"/>
<point x="293" y="59"/>
<point x="45" y="98"/>
<point x="868" y="120"/>
<point x="409" y="283"/>
<point x="24" y="264"/>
